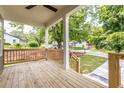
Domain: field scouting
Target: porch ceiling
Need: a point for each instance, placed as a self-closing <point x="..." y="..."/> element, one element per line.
<point x="37" y="16"/>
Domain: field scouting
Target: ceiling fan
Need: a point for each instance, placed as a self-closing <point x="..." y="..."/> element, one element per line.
<point x="46" y="6"/>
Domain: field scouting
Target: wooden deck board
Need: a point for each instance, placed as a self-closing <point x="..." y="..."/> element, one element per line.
<point x="44" y="74"/>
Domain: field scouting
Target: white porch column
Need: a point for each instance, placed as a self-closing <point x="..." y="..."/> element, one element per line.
<point x="1" y="44"/>
<point x="46" y="38"/>
<point x="66" y="42"/>
<point x="46" y="43"/>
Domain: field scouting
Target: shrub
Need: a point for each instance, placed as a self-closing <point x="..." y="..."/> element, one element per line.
<point x="116" y="41"/>
<point x="33" y="44"/>
<point x="18" y="45"/>
<point x="7" y="44"/>
<point x="98" y="41"/>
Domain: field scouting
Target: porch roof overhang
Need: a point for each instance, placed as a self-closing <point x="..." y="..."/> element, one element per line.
<point x="37" y="16"/>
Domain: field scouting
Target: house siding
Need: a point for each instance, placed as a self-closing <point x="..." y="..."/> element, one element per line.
<point x="9" y="39"/>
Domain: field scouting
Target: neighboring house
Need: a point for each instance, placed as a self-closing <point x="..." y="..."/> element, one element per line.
<point x="13" y="39"/>
<point x="77" y="44"/>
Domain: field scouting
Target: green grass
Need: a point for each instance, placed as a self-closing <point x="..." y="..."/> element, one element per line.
<point x="89" y="63"/>
<point x="76" y="48"/>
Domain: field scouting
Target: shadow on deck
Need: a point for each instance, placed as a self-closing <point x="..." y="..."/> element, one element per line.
<point x="44" y="74"/>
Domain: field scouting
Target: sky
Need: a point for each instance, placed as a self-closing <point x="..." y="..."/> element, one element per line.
<point x="8" y="27"/>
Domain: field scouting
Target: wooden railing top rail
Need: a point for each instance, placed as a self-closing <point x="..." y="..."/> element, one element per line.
<point x="23" y="49"/>
<point x="114" y="69"/>
<point x="118" y="55"/>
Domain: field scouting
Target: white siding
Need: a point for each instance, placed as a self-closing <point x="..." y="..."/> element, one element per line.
<point x="10" y="39"/>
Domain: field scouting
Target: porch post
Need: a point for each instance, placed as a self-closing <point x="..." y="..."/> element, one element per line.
<point x="1" y="43"/>
<point x="66" y="42"/>
<point x="46" y="38"/>
<point x="46" y="43"/>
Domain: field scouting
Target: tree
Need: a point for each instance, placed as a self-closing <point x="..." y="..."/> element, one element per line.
<point x="56" y="33"/>
<point x="17" y="26"/>
<point x="37" y="36"/>
<point x="111" y="17"/>
<point x="33" y="44"/>
<point x="98" y="37"/>
<point x="18" y="30"/>
<point x="116" y="41"/>
<point x="78" y="27"/>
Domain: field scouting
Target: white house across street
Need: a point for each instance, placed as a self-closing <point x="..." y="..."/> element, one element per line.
<point x="12" y="39"/>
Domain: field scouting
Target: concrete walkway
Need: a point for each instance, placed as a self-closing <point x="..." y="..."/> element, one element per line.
<point x="101" y="73"/>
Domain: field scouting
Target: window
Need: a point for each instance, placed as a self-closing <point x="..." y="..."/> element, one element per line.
<point x="14" y="41"/>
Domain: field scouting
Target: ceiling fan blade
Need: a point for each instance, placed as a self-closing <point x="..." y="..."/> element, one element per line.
<point x="30" y="6"/>
<point x="51" y="8"/>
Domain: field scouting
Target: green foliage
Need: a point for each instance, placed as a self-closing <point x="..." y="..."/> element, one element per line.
<point x="18" y="30"/>
<point x="98" y="38"/>
<point x="18" y="45"/>
<point x="17" y="26"/>
<point x="33" y="44"/>
<point x="37" y="35"/>
<point x="7" y="44"/>
<point x="94" y="24"/>
<point x="78" y="28"/>
<point x="116" y="41"/>
<point x="98" y="41"/>
<point x="112" y="17"/>
<point x="56" y="33"/>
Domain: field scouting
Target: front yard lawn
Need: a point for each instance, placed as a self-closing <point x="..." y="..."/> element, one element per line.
<point x="89" y="63"/>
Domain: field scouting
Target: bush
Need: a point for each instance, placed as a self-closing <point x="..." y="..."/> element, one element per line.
<point x="98" y="41"/>
<point x="116" y="41"/>
<point x="18" y="45"/>
<point x="7" y="44"/>
<point x="33" y="44"/>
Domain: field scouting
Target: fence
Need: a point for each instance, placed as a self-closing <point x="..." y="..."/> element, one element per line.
<point x="22" y="55"/>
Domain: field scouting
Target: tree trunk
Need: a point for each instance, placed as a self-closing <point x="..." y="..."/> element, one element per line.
<point x="59" y="45"/>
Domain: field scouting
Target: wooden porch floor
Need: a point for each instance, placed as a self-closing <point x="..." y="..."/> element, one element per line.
<point x="43" y="74"/>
